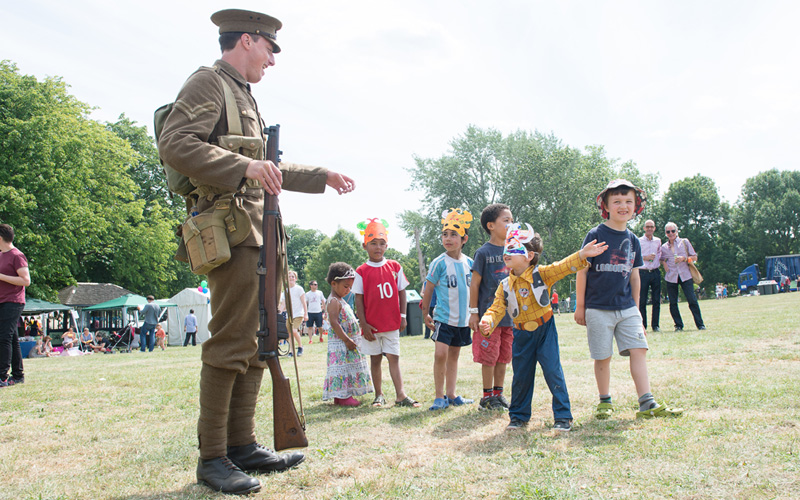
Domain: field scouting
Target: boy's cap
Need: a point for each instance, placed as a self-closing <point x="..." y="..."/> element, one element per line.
<point x="516" y="237"/>
<point x="456" y="219"/>
<point x="641" y="197"/>
<point x="374" y="228"/>
<point x="246" y="21"/>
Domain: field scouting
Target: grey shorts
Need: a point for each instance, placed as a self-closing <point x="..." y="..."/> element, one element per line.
<point x="603" y="326"/>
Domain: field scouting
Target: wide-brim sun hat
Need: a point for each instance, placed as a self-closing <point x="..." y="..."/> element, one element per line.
<point x="641" y="197"/>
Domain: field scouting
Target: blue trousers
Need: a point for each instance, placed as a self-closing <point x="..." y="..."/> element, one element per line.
<point x="148" y="332"/>
<point x="540" y="345"/>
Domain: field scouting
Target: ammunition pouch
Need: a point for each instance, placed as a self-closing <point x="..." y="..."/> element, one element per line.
<point x="208" y="237"/>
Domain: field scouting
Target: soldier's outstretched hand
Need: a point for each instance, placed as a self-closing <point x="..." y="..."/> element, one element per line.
<point x="340" y="182"/>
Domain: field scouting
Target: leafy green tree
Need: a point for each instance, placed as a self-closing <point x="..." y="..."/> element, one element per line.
<point x="66" y="189"/>
<point x="544" y="182"/>
<point x="694" y="205"/>
<point x="768" y="219"/>
<point x="301" y="246"/>
<point x="413" y="224"/>
<point x="343" y="246"/>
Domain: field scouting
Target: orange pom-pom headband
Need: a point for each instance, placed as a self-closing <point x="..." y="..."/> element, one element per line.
<point x="374" y="228"/>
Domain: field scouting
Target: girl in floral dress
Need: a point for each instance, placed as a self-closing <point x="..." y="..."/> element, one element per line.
<point x="348" y="371"/>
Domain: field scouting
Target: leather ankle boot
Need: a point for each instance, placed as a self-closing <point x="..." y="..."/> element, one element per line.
<point x="220" y="474"/>
<point x="256" y="458"/>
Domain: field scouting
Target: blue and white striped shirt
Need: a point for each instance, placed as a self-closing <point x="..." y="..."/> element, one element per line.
<point x="452" y="279"/>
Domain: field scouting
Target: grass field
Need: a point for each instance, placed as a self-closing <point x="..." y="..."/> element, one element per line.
<point x="124" y="426"/>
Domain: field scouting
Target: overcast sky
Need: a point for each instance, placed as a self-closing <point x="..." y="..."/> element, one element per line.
<point x="679" y="87"/>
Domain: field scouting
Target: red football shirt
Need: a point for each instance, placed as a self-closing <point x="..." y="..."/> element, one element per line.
<point x="380" y="284"/>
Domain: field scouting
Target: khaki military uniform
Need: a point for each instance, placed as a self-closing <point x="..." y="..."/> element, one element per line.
<point x="231" y="374"/>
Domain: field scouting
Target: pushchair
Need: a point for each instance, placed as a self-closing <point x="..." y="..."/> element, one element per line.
<point x="122" y="341"/>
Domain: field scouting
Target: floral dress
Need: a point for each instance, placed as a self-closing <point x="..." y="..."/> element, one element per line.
<point x="348" y="371"/>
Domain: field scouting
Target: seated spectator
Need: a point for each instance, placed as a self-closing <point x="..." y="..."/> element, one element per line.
<point x="102" y="344"/>
<point x="68" y="339"/>
<point x="38" y="350"/>
<point x="87" y="340"/>
<point x="48" y="345"/>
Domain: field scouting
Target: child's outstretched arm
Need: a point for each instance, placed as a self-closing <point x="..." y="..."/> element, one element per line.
<point x="580" y="295"/>
<point x="333" y="317"/>
<point x="593" y="249"/>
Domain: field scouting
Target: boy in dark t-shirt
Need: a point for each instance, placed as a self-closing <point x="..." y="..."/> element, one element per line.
<point x="488" y="270"/>
<point x="607" y="295"/>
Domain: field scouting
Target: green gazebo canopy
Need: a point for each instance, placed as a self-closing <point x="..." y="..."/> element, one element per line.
<point x="36" y="306"/>
<point x="128" y="300"/>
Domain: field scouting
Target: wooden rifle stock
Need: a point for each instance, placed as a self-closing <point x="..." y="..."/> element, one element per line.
<point x="289" y="432"/>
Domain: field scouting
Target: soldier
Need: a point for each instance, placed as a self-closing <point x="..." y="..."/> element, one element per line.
<point x="231" y="372"/>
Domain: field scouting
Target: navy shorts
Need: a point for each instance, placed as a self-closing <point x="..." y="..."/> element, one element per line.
<point x="314" y="319"/>
<point x="455" y="336"/>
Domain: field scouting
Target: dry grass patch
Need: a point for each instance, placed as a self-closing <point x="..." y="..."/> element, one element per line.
<point x="123" y="426"/>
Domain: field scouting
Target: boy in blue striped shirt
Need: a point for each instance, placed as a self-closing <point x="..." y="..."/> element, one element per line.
<point x="449" y="276"/>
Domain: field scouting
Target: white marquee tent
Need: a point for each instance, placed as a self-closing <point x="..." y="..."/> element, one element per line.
<point x="189" y="298"/>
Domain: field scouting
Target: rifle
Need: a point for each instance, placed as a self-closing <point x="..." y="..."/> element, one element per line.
<point x="289" y="431"/>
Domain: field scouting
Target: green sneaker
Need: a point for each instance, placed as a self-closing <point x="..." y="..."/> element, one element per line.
<point x="660" y="411"/>
<point x="604" y="411"/>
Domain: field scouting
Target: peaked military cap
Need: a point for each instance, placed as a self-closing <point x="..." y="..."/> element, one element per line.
<point x="246" y="21"/>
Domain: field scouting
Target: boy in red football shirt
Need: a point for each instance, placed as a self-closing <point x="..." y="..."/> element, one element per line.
<point x="381" y="303"/>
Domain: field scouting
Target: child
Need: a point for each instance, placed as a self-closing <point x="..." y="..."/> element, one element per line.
<point x="161" y="336"/>
<point x="379" y="286"/>
<point x="48" y="345"/>
<point x="449" y="278"/>
<point x="607" y="295"/>
<point x="488" y="270"/>
<point x="525" y="295"/>
<point x="348" y="375"/>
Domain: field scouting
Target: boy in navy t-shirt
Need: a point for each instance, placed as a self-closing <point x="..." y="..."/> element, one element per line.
<point x="488" y="270"/>
<point x="607" y="295"/>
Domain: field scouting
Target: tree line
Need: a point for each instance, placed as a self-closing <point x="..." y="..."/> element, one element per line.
<point x="89" y="201"/>
<point x="553" y="187"/>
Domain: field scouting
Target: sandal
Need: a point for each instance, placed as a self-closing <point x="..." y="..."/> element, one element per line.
<point x="379" y="401"/>
<point x="439" y="404"/>
<point x="660" y="411"/>
<point x="604" y="411"/>
<point x="458" y="401"/>
<point x="407" y="403"/>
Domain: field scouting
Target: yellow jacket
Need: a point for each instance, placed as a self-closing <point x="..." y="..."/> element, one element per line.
<point x="530" y="299"/>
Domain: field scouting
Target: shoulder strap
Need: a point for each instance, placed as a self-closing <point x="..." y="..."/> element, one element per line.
<point x="234" y="122"/>
<point x="231" y="108"/>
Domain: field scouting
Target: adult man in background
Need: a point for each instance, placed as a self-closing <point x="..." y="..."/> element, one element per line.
<point x="190" y="328"/>
<point x="650" y="275"/>
<point x="14" y="277"/>
<point x="151" y="312"/>
<point x="231" y="373"/>
<point x="316" y="307"/>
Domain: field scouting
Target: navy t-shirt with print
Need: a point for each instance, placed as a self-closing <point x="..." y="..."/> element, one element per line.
<point x="488" y="262"/>
<point x="608" y="281"/>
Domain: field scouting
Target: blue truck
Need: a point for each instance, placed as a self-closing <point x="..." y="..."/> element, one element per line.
<point x="776" y="267"/>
